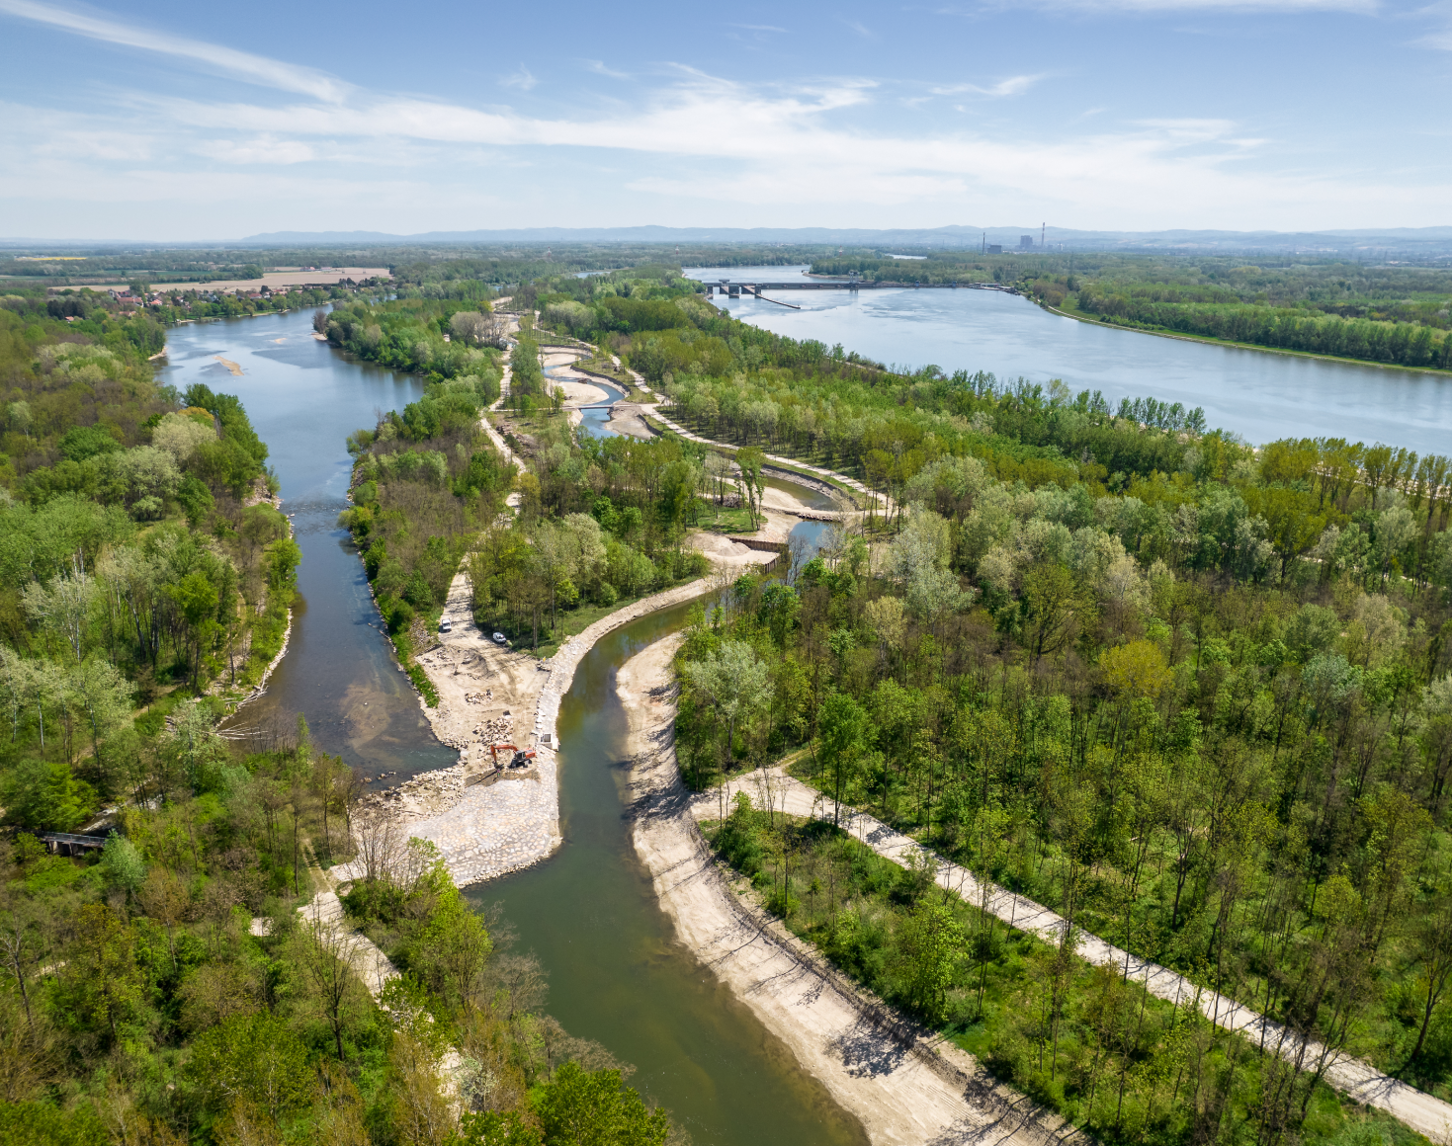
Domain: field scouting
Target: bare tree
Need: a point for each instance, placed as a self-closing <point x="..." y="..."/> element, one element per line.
<point x="325" y="949"/>
<point x="379" y="841"/>
<point x="164" y="898"/>
<point x="22" y="945"/>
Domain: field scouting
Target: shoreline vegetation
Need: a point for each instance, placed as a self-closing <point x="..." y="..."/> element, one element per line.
<point x="923" y="1087"/>
<point x="1389" y="314"/>
<point x="1209" y="340"/>
<point x="1193" y="696"/>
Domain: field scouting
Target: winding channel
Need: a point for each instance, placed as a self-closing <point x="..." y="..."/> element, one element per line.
<point x="589" y="914"/>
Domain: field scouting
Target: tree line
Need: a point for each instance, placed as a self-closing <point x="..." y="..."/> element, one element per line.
<point x="1201" y="713"/>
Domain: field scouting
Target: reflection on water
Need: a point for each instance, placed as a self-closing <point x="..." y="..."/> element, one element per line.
<point x="304" y="399"/>
<point x="1260" y="395"/>
<point x="616" y="973"/>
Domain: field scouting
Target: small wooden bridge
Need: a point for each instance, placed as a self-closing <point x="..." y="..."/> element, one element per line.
<point x="70" y="843"/>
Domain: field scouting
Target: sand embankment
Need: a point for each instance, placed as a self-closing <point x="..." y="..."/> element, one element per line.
<point x="905" y="1085"/>
<point x="487" y="821"/>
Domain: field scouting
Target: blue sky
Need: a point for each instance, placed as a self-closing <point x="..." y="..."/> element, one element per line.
<point x="186" y="121"/>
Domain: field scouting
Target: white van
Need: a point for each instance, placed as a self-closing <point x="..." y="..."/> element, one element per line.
<point x="445" y="625"/>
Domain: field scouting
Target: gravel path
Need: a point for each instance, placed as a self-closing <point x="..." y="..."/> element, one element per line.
<point x="1351" y="1076"/>
<point x="906" y="1085"/>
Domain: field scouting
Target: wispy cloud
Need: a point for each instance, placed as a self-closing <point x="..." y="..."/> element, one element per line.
<point x="694" y="138"/>
<point x="1441" y="36"/>
<point x="1014" y="85"/>
<point x="243" y="65"/>
<point x="599" y="68"/>
<point x="523" y="79"/>
<point x="861" y="29"/>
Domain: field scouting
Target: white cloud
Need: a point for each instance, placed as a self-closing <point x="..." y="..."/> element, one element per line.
<point x="1014" y="85"/>
<point x="599" y="68"/>
<point x="243" y="65"/>
<point x="522" y="79"/>
<point x="799" y="152"/>
<point x="263" y="150"/>
<point x="1239" y="6"/>
<point x="1440" y="37"/>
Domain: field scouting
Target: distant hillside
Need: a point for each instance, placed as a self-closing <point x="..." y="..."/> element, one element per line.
<point x="1424" y="241"/>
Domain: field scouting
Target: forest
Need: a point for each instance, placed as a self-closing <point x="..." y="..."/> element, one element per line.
<point x="600" y="523"/>
<point x="142" y="561"/>
<point x="180" y="984"/>
<point x="1191" y="695"/>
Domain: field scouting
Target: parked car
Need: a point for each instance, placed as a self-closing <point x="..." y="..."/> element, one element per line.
<point x="499" y="639"/>
<point x="445" y="625"/>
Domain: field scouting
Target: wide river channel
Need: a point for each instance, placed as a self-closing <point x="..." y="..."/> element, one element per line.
<point x="589" y="914"/>
<point x="1260" y="395"/>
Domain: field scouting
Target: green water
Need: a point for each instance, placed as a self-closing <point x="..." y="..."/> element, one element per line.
<point x="616" y="973"/>
<point x="588" y="912"/>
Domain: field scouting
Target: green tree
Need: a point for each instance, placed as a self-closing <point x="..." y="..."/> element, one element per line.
<point x="100" y="985"/>
<point x="252" y="1060"/>
<point x="591" y="1108"/>
<point x="930" y="946"/>
<point x="752" y="461"/>
<point x="122" y="863"/>
<point x="495" y="1128"/>
<point x="735" y="679"/>
<point x="47" y="796"/>
<point x="843" y="745"/>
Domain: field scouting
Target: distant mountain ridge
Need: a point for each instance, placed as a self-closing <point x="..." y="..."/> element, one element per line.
<point x="1385" y="242"/>
<point x="1422" y="239"/>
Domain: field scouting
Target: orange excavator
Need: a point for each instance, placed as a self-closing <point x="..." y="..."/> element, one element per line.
<point x="520" y="759"/>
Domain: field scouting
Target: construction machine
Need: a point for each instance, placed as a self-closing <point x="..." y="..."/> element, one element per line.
<point x="520" y="759"/>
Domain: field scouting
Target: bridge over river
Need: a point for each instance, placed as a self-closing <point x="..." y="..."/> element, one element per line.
<point x="732" y="289"/>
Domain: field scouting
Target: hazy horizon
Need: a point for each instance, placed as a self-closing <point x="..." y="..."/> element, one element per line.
<point x="164" y="122"/>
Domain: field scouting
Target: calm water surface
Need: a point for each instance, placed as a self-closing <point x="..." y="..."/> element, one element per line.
<point x="616" y="973"/>
<point x="1259" y="395"/>
<point x="589" y="913"/>
<point x="304" y="398"/>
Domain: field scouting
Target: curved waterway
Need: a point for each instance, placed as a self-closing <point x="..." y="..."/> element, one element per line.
<point x="304" y="399"/>
<point x="616" y="973"/>
<point x="589" y="913"/>
<point x="1260" y="395"/>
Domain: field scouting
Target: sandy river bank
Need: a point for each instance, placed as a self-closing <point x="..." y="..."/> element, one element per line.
<point x="487" y="821"/>
<point x="905" y="1085"/>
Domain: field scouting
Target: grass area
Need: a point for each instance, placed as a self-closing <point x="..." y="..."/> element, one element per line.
<point x="1126" y="1066"/>
<point x="607" y="369"/>
<point x="724" y="519"/>
<point x="575" y="621"/>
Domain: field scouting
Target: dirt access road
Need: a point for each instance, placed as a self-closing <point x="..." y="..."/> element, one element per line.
<point x="906" y="1086"/>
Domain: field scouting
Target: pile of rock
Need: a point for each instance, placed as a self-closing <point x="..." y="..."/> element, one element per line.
<point x="423" y="796"/>
<point x="497" y="731"/>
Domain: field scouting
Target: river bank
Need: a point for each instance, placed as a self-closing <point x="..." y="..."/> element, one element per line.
<point x="903" y="1085"/>
<point x="489" y="821"/>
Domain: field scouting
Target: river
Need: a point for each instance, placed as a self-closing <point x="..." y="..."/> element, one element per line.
<point x="304" y="399"/>
<point x="1259" y="395"/>
<point x="589" y="913"/>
